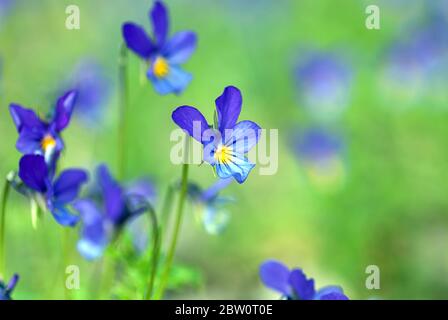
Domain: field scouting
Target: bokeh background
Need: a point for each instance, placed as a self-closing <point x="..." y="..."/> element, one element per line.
<point x="362" y="119"/>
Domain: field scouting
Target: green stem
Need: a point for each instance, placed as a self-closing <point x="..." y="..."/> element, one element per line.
<point x="172" y="248"/>
<point x="5" y="194"/>
<point x="154" y="252"/>
<point x="124" y="104"/>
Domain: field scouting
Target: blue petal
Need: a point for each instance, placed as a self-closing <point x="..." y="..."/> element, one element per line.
<point x="275" y="275"/>
<point x="243" y="136"/>
<point x="25" y="118"/>
<point x="329" y="291"/>
<point x="174" y="82"/>
<point x="191" y="120"/>
<point x="228" y="106"/>
<point x="160" y="22"/>
<point x="303" y="287"/>
<point x="213" y="191"/>
<point x="64" y="109"/>
<point x="30" y="141"/>
<point x="66" y="187"/>
<point x="63" y="216"/>
<point x="334" y="296"/>
<point x="180" y="47"/>
<point x="112" y="194"/>
<point x="238" y="167"/>
<point x="137" y="40"/>
<point x="12" y="283"/>
<point x="34" y="173"/>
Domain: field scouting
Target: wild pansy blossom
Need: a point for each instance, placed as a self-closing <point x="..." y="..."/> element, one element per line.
<point x="163" y="55"/>
<point x="227" y="143"/>
<point x="37" y="136"/>
<point x="323" y="81"/>
<point x="7" y="289"/>
<point x="102" y="221"/>
<point x="54" y="194"/>
<point x="294" y="285"/>
<point x="211" y="206"/>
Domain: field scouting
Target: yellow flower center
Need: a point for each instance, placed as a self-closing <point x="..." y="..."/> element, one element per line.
<point x="223" y="154"/>
<point x="48" y="142"/>
<point x="161" y="67"/>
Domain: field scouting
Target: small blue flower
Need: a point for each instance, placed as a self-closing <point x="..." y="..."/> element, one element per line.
<point x="7" y="289"/>
<point x="211" y="205"/>
<point x="324" y="82"/>
<point x="227" y="143"/>
<point x="37" y="136"/>
<point x="117" y="206"/>
<point x="164" y="56"/>
<point x="294" y="285"/>
<point x="56" y="194"/>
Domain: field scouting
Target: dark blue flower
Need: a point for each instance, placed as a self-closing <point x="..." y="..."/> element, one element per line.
<point x="294" y="285"/>
<point x="323" y="82"/>
<point x="227" y="143"/>
<point x="55" y="194"/>
<point x="117" y="206"/>
<point x="212" y="207"/>
<point x="7" y="289"/>
<point x="37" y="136"/>
<point x="164" y="55"/>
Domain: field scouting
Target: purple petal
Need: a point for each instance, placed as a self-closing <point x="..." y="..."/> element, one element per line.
<point x="303" y="287"/>
<point x="25" y="118"/>
<point x="191" y="120"/>
<point x="34" y="173"/>
<point x="112" y="193"/>
<point x="67" y="186"/>
<point x="174" y="82"/>
<point x="243" y="136"/>
<point x="63" y="216"/>
<point x="275" y="275"/>
<point x="334" y="296"/>
<point x="64" y="109"/>
<point x="180" y="47"/>
<point x="159" y="18"/>
<point x="328" y="292"/>
<point x="137" y="40"/>
<point x="12" y="283"/>
<point x="228" y="106"/>
<point x="211" y="192"/>
<point x="30" y="141"/>
<point x="143" y="188"/>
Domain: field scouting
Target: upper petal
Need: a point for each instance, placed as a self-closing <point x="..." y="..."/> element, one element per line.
<point x="303" y="287"/>
<point x="113" y="196"/>
<point x="243" y="136"/>
<point x="275" y="275"/>
<point x="191" y="120"/>
<point x="64" y="109"/>
<point x="180" y="47"/>
<point x="228" y="106"/>
<point x="34" y="173"/>
<point x="68" y="184"/>
<point x="25" y="118"/>
<point x="160" y="22"/>
<point x="137" y="40"/>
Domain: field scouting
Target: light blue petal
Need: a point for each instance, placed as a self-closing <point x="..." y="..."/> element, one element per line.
<point x="174" y="82"/>
<point x="90" y="250"/>
<point x="243" y="137"/>
<point x="238" y="167"/>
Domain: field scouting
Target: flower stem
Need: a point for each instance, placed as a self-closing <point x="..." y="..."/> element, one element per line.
<point x="2" y="228"/>
<point x="172" y="248"/>
<point x="124" y="104"/>
<point x="154" y="252"/>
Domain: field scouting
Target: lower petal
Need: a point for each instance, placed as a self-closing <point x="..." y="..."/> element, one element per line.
<point x="238" y="167"/>
<point x="174" y="82"/>
<point x="63" y="216"/>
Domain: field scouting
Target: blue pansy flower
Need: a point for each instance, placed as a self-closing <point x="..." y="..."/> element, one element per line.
<point x="37" y="136"/>
<point x="7" y="289"/>
<point x="323" y="82"/>
<point x="102" y="220"/>
<point x="54" y="194"/>
<point x="294" y="285"/>
<point x="164" y="55"/>
<point x="211" y="206"/>
<point x="227" y="143"/>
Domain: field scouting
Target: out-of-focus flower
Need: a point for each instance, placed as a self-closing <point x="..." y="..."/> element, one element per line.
<point x="5" y="8"/>
<point x="101" y="222"/>
<point x="294" y="285"/>
<point x="211" y="206"/>
<point x="37" y="136"/>
<point x="164" y="56"/>
<point x="93" y="90"/>
<point x="321" y="154"/>
<point x="55" y="195"/>
<point x="324" y="83"/>
<point x="7" y="289"/>
<point x="227" y="143"/>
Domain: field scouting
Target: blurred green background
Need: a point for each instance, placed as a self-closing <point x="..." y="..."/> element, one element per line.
<point x="387" y="205"/>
